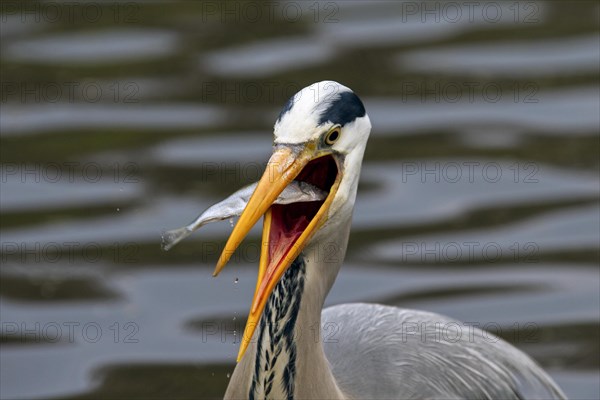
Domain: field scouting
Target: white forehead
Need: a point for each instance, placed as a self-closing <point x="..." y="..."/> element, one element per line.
<point x="300" y="118"/>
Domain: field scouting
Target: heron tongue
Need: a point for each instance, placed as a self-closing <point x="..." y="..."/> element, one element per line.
<point x="287" y="224"/>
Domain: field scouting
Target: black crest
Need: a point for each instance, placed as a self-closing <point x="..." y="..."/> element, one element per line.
<point x="345" y="108"/>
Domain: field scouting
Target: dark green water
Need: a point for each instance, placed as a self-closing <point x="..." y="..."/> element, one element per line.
<point x="478" y="197"/>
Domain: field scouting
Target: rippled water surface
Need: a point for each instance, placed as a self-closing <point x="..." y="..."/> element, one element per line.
<point x="478" y="196"/>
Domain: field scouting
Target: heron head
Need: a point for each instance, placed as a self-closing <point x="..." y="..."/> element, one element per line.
<point x="320" y="137"/>
<point x="327" y="125"/>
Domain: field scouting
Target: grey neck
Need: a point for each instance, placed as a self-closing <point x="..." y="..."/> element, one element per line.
<point x="285" y="359"/>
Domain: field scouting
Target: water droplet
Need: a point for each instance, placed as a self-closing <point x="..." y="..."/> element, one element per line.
<point x="228" y="375"/>
<point x="234" y="318"/>
<point x="120" y="189"/>
<point x="231" y="222"/>
<point x="118" y="209"/>
<point x="236" y="280"/>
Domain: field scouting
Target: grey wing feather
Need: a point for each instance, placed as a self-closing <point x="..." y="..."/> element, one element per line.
<point x="382" y="352"/>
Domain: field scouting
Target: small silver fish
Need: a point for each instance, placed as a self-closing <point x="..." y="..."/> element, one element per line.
<point x="295" y="192"/>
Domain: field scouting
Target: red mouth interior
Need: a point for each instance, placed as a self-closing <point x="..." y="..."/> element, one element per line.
<point x="288" y="221"/>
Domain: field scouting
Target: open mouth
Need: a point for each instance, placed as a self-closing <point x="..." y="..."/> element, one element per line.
<point x="288" y="221"/>
<point x="286" y="228"/>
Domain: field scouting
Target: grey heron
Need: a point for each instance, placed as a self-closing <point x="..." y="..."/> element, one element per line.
<point x="378" y="352"/>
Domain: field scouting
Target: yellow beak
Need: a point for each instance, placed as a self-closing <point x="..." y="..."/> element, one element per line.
<point x="283" y="166"/>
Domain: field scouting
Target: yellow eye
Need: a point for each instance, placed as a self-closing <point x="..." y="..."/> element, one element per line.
<point x="333" y="135"/>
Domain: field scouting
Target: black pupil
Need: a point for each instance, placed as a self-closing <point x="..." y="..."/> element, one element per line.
<point x="333" y="136"/>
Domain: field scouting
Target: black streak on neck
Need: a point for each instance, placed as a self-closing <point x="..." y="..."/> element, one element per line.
<point x="282" y="307"/>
